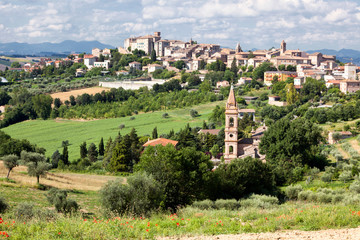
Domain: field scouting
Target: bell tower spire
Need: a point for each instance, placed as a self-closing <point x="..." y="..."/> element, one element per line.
<point x="231" y="127"/>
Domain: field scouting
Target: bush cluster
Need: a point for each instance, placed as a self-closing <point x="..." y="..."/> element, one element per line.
<point x="255" y="200"/>
<point x="26" y="211"/>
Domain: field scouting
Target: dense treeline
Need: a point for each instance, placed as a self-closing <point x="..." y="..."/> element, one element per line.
<point x="144" y="101"/>
<point x="10" y="145"/>
<point x="114" y="103"/>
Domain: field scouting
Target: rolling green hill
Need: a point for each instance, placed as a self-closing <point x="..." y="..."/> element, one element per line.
<point x="50" y="133"/>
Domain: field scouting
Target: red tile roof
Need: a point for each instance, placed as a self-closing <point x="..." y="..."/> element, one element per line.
<point x="210" y="131"/>
<point x="162" y="141"/>
<point x="244" y="110"/>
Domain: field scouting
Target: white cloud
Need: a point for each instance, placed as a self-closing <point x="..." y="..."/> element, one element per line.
<point x="336" y="15"/>
<point x="256" y="23"/>
<point x="179" y="20"/>
<point x="276" y="24"/>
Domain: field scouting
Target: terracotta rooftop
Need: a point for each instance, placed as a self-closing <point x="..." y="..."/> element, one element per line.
<point x="210" y="131"/>
<point x="247" y="110"/>
<point x="158" y="141"/>
<point x="88" y="56"/>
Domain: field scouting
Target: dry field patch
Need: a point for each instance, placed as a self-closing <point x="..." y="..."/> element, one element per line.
<point x="66" y="95"/>
<point x="59" y="180"/>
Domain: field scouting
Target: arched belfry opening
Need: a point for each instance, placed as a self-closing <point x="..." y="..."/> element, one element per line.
<point x="231" y="122"/>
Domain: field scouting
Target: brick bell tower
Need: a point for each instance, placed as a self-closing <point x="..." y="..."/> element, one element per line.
<point x="231" y="127"/>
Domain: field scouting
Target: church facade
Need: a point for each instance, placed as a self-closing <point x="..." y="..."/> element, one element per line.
<point x="234" y="147"/>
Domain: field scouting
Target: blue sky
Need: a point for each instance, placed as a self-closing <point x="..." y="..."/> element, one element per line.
<point x="304" y="24"/>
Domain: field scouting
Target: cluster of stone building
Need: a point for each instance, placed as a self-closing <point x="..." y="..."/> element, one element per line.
<point x="314" y="65"/>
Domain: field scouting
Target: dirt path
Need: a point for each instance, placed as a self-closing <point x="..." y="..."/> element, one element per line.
<point x="330" y="234"/>
<point x="66" y="95"/>
<point x="60" y="180"/>
<point x="355" y="145"/>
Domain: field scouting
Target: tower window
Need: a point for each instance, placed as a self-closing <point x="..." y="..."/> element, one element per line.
<point x="231" y="122"/>
<point x="231" y="149"/>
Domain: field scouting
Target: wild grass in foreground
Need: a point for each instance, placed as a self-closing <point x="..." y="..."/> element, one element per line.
<point x="188" y="221"/>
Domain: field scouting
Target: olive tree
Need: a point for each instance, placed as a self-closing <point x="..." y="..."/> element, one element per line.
<point x="36" y="163"/>
<point x="10" y="161"/>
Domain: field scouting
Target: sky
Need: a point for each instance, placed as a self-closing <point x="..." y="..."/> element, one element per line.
<point x="261" y="24"/>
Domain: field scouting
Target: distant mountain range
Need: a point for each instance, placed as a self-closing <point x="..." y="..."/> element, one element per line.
<point x="48" y="49"/>
<point x="343" y="55"/>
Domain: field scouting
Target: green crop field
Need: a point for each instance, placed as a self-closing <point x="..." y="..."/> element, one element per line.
<point x="50" y="133"/>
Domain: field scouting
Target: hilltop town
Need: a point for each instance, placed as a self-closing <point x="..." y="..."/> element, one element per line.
<point x="175" y="56"/>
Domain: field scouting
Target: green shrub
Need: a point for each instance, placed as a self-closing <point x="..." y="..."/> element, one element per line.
<point x="352" y="200"/>
<point x="313" y="197"/>
<point x="355" y="186"/>
<point x="58" y="198"/>
<point x="204" y="205"/>
<point x="304" y="195"/>
<point x="337" y="198"/>
<point x="3" y="205"/>
<point x="259" y="201"/>
<point x="228" y="204"/>
<point x="345" y="176"/>
<point x="326" y="177"/>
<point x="140" y="196"/>
<point x="314" y="171"/>
<point x="323" y="197"/>
<point x="83" y="163"/>
<point x="292" y="191"/>
<point x="326" y="190"/>
<point x="193" y="113"/>
<point x="24" y="211"/>
<point x="98" y="165"/>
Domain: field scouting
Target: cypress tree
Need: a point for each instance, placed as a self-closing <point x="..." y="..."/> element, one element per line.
<point x="83" y="150"/>
<point x="65" y="155"/>
<point x="234" y="68"/>
<point x="153" y="56"/>
<point x="92" y="153"/>
<point x="101" y="147"/>
<point x="155" y="133"/>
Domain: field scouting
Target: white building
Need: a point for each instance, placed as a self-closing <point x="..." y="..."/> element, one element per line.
<point x="135" y="65"/>
<point x="154" y="67"/>
<point x="350" y="71"/>
<point x="104" y="64"/>
<point x="89" y="61"/>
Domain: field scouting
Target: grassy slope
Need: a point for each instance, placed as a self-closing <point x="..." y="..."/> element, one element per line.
<point x="50" y="133"/>
<point x="188" y="221"/>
